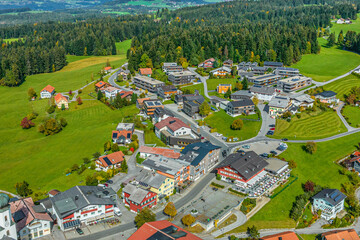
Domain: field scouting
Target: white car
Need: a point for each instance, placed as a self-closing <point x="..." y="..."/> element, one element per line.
<point x="218" y="134"/>
<point x="117" y="211"/>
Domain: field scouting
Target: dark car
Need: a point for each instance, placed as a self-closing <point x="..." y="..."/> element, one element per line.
<point x="240" y="151"/>
<point x="272" y="125"/>
<point x="110" y="181"/>
<point x="284" y="139"/>
<point x="224" y="153"/>
<point x="265" y="155"/>
<point x="270" y="133"/>
<point x="79" y="231"/>
<point x="273" y="152"/>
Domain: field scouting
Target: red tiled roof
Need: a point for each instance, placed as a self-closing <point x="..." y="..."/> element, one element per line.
<point x="355" y="159"/>
<point x="349" y="234"/>
<point x="284" y="236"/>
<point x="172" y="123"/>
<point x="141" y="100"/>
<point x="124" y="94"/>
<point x="48" y="88"/>
<point x="121" y="133"/>
<point x="54" y="192"/>
<point x="100" y="84"/>
<point x="115" y="158"/>
<point x="145" y="71"/>
<point x="357" y="154"/>
<point x="59" y="96"/>
<point x="150" y="228"/>
<point x="160" y="151"/>
<point x="107" y="68"/>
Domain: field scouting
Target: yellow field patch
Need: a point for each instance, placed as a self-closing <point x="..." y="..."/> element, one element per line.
<point x="83" y="63"/>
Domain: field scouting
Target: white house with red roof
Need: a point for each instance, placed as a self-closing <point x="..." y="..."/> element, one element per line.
<point x="137" y="198"/>
<point x="47" y="92"/>
<point x="32" y="221"/>
<point x="145" y="71"/>
<point x="174" y="126"/>
<point x="110" y="92"/>
<point x="110" y="161"/>
<point x="61" y="100"/>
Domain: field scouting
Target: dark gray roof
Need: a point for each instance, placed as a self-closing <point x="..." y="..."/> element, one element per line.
<point x="242" y="103"/>
<point x="218" y="99"/>
<point x="149" y="178"/>
<point x="332" y="196"/>
<point x="78" y="197"/>
<point x="326" y="94"/>
<point x="46" y="202"/>
<point x="168" y="88"/>
<point x="277" y="64"/>
<point x="260" y="68"/>
<point x="198" y="98"/>
<point x="287" y="69"/>
<point x="195" y="152"/>
<point x="39" y="209"/>
<point x="162" y="111"/>
<point x="246" y="93"/>
<point x="136" y="194"/>
<point x="279" y="102"/>
<point x="246" y="164"/>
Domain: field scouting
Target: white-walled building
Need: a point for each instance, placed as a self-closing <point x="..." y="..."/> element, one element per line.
<point x="7" y="225"/>
<point x="330" y="202"/>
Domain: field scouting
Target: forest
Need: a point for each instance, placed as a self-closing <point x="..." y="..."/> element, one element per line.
<point x="275" y="30"/>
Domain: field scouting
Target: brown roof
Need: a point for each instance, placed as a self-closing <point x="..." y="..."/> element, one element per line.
<point x="48" y="88"/>
<point x="284" y="236"/>
<point x="349" y="234"/>
<point x="141" y="100"/>
<point x="54" y="192"/>
<point x="59" y="96"/>
<point x="114" y="158"/>
<point x="100" y="84"/>
<point x="172" y="123"/>
<point x="160" y="151"/>
<point x="107" y="68"/>
<point x="145" y="71"/>
<point x="151" y="228"/>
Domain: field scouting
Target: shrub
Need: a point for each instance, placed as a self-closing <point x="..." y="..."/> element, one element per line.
<point x="217" y="185"/>
<point x="26" y="123"/>
<point x="51" y="109"/>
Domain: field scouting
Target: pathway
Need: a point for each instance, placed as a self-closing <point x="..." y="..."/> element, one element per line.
<point x="9" y="193"/>
<point x="240" y="220"/>
<point x="203" y="80"/>
<point x="338" y="111"/>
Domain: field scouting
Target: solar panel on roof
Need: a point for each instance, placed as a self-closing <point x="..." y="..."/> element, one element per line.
<point x="114" y="135"/>
<point x="337" y="198"/>
<point x="333" y="195"/>
<point x="150" y="103"/>
<point x="18" y="216"/>
<point x="107" y="161"/>
<point x="128" y="135"/>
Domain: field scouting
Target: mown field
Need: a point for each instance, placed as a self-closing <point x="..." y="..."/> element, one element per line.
<point x="316" y="167"/>
<point x="310" y="126"/>
<point x="199" y="87"/>
<point x="352" y="115"/>
<point x="328" y="64"/>
<point x="343" y="85"/>
<point x="29" y="155"/>
<point x="213" y="83"/>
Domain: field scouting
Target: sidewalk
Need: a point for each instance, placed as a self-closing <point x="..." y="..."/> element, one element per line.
<point x="241" y="219"/>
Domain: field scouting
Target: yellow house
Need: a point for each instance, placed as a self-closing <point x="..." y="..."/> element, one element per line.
<point x="61" y="100"/>
<point x="161" y="185"/>
<point x="223" y="88"/>
<point x="165" y="189"/>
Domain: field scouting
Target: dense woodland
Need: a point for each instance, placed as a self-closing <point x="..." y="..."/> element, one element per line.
<point x="276" y="30"/>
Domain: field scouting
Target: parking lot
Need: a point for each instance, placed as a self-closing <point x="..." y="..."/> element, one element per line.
<point x="261" y="147"/>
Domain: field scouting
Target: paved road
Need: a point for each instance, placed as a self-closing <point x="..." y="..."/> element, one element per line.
<point x="241" y="219"/>
<point x="338" y="111"/>
<point x="203" y="80"/>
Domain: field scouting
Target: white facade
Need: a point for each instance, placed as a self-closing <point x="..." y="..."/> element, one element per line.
<point x="37" y="228"/>
<point x="111" y="94"/>
<point x="7" y="226"/>
<point x="45" y="94"/>
<point x="328" y="211"/>
<point x="179" y="132"/>
<point x="264" y="97"/>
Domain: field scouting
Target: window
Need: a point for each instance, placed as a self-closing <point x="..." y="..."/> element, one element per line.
<point x="8" y="232"/>
<point x="92" y="213"/>
<point x="45" y="225"/>
<point x="35" y="234"/>
<point x="41" y="233"/>
<point x="5" y="218"/>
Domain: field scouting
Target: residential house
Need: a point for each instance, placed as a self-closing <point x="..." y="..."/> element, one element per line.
<point x="151" y="105"/>
<point x="145" y="72"/>
<point x="123" y="133"/>
<point x="295" y="83"/>
<point x="147" y="83"/>
<point x="279" y="105"/>
<point x="166" y="91"/>
<point x="162" y="185"/>
<point x="259" y="70"/>
<point x="243" y="168"/>
<point x="265" y="80"/>
<point x="7" y="224"/>
<point x="330" y="202"/>
<point x="61" y="100"/>
<point x="287" y="72"/>
<point x="209" y="63"/>
<point x="126" y="94"/>
<point x="101" y="84"/>
<point x="161" y="114"/>
<point x="124" y="73"/>
<point x="303" y="100"/>
<point x="288" y="235"/>
<point x="110" y="161"/>
<point x="110" y="92"/>
<point x="83" y="205"/>
<point x="179" y="99"/>
<point x="221" y="72"/>
<point x="347" y="234"/>
<point x="202" y="156"/>
<point x="228" y="63"/>
<point x="218" y="102"/>
<point x="140" y="102"/>
<point x="179" y="78"/>
<point x="241" y="94"/>
<point x="137" y="198"/>
<point x="263" y="93"/>
<point x="354" y="163"/>
<point x="171" y="67"/>
<point x="162" y="230"/>
<point x="238" y="107"/>
<point x="192" y="104"/>
<point x="107" y="69"/>
<point x="247" y="64"/>
<point x="327" y="97"/>
<point x="32" y="221"/>
<point x="146" y="152"/>
<point x="344" y="21"/>
<point x="245" y="74"/>
<point x="273" y="65"/>
<point x="223" y="88"/>
<point x="47" y="92"/>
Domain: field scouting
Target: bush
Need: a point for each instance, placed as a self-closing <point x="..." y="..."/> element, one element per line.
<point x="217" y="185"/>
<point x="80" y="91"/>
<point x="218" y="177"/>
<point x="51" y="109"/>
<point x="51" y="126"/>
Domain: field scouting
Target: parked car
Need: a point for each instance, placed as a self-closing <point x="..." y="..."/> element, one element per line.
<point x="79" y="231"/>
<point x="284" y="139"/>
<point x="273" y="152"/>
<point x="265" y="155"/>
<point x="110" y="181"/>
<point x="270" y="133"/>
<point x="224" y="138"/>
<point x="117" y="211"/>
<point x="102" y="185"/>
<point x="272" y="125"/>
<point x="246" y="146"/>
<point x="202" y="138"/>
<point x="106" y="185"/>
<point x="240" y="151"/>
<point x="272" y="129"/>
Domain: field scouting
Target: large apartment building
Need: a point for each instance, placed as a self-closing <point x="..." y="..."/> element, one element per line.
<point x="184" y="77"/>
<point x="294" y="83"/>
<point x="287" y="72"/>
<point x="147" y="83"/>
<point x="170" y="67"/>
<point x="265" y="80"/>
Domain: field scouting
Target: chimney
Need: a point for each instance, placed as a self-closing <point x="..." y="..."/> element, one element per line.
<point x="76" y="197"/>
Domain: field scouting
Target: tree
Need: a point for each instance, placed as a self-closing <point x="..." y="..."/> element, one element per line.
<point x="253" y="232"/>
<point x="124" y="166"/>
<point x="228" y="93"/>
<point x="31" y="93"/>
<point x="107" y="146"/>
<point x="114" y="147"/>
<point x="70" y="92"/>
<point x="204" y="109"/>
<point x="311" y="147"/>
<point x="170" y="210"/>
<point x="244" y="82"/>
<point x="63" y="122"/>
<point x="26" y="123"/>
<point x="309" y="186"/>
<point x="96" y="155"/>
<point x="51" y="109"/>
<point x="144" y="216"/>
<point x="238" y="86"/>
<point x="50" y="127"/>
<point x="237" y="124"/>
<point x="100" y="95"/>
<point x="172" y="97"/>
<point x="23" y="189"/>
<point x="351" y="99"/>
<point x="341" y="38"/>
<point x="292" y="164"/>
<point x="86" y="160"/>
<point x="79" y="101"/>
<point x="188" y="220"/>
<point x="331" y="40"/>
<point x="75" y="167"/>
<point x="62" y="107"/>
<point x="255" y="100"/>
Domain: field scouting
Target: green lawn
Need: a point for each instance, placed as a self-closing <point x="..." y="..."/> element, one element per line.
<point x="122" y="47"/>
<point x="317" y="168"/>
<point x="310" y="126"/>
<point x="352" y="115"/>
<point x="309" y="236"/>
<point x="213" y="83"/>
<point x="199" y="87"/>
<point x="330" y="63"/>
<point x="343" y="85"/>
<point x="355" y="26"/>
<point x="222" y="122"/>
<point x="10" y="40"/>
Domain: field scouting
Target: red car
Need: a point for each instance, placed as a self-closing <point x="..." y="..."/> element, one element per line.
<point x="272" y="129"/>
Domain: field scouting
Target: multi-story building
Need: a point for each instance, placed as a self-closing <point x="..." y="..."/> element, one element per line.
<point x="247" y="64"/>
<point x="7" y="224"/>
<point x="174" y="126"/>
<point x="101" y="84"/>
<point x="273" y="65"/>
<point x="179" y="98"/>
<point x="110" y="92"/>
<point x="140" y="102"/>
<point x="147" y="83"/>
<point x="303" y="100"/>
<point x="61" y="101"/>
<point x="208" y="63"/>
<point x="170" y="67"/>
<point x="327" y="97"/>
<point x="110" y="161"/>
<point x="265" y="80"/>
<point x="292" y="84"/>
<point x="228" y="63"/>
<point x="47" y="92"/>
<point x="330" y="202"/>
<point x="202" y="156"/>
<point x="287" y="72"/>
<point x="191" y="104"/>
<point x="161" y="114"/>
<point x="241" y="94"/>
<point x="218" y="102"/>
<point x="259" y="70"/>
<point x="179" y="78"/>
<point x="279" y="105"/>
<point x="137" y="198"/>
<point x="165" y="92"/>
<point x="151" y="105"/>
<point x="32" y="221"/>
<point x="82" y="205"/>
<point x="243" y="106"/>
<point x="289" y="235"/>
<point x="145" y="152"/>
<point x="123" y="133"/>
<point x="221" y="72"/>
<point x="223" y="88"/>
<point x="263" y="93"/>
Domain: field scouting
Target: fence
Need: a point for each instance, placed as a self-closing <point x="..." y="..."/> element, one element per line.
<point x="273" y="196"/>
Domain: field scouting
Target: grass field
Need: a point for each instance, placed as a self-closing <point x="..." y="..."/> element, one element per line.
<point x="330" y="63"/>
<point x="355" y="26"/>
<point x="317" y="168"/>
<point x="352" y="115"/>
<point x="213" y="83"/>
<point x="308" y="236"/>
<point x="29" y="155"/>
<point x="122" y="47"/>
<point x="199" y="87"/>
<point x="310" y="126"/>
<point x="343" y="85"/>
<point x="222" y="122"/>
<point x="10" y="40"/>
